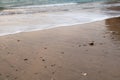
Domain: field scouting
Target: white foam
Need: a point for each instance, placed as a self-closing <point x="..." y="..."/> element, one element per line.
<point x="11" y="24"/>
<point x="48" y="5"/>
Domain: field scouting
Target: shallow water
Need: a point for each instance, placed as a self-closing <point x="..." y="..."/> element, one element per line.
<point x="6" y="3"/>
<point x="31" y="17"/>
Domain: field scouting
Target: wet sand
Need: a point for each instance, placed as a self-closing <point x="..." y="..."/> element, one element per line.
<point x="82" y="52"/>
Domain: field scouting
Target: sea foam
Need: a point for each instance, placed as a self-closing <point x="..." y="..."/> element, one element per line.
<point x="39" y="17"/>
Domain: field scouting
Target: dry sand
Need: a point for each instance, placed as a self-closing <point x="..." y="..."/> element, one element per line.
<point x="82" y="52"/>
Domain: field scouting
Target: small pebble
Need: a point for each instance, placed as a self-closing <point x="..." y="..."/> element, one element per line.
<point x="84" y="74"/>
<point x="45" y="48"/>
<point x="12" y="66"/>
<point x="112" y="38"/>
<point x="53" y="65"/>
<point x="53" y="72"/>
<point x="43" y="59"/>
<point x="79" y="46"/>
<point x="16" y="70"/>
<point x="113" y="32"/>
<point x="91" y="44"/>
<point x="25" y="59"/>
<point x="18" y="40"/>
<point x="62" y="52"/>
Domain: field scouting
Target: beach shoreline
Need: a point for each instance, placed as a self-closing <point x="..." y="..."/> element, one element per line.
<point x="80" y="52"/>
<point x="17" y="19"/>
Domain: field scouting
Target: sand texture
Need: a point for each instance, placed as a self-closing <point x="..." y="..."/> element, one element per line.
<point x="82" y="52"/>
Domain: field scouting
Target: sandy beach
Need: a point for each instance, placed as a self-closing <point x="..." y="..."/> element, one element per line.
<point x="88" y="51"/>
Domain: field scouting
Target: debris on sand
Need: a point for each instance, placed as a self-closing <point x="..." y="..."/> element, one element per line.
<point x="62" y="52"/>
<point x="84" y="74"/>
<point x="43" y="59"/>
<point x="112" y="38"/>
<point x="53" y="65"/>
<point x="16" y="70"/>
<point x="53" y="72"/>
<point x="25" y="59"/>
<point x="35" y="73"/>
<point x="79" y="45"/>
<point x="92" y="43"/>
<point x="113" y="32"/>
<point x="8" y="52"/>
<point x="45" y="48"/>
<point x="18" y="40"/>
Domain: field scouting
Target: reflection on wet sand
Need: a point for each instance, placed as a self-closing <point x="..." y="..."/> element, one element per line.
<point x="115" y="8"/>
<point x="112" y="8"/>
<point x="113" y="25"/>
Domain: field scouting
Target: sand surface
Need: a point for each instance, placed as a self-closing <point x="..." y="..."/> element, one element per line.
<point x="82" y="52"/>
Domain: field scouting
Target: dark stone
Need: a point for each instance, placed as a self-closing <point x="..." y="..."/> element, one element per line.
<point x="91" y="44"/>
<point x="53" y="72"/>
<point x="25" y="59"/>
<point x="16" y="70"/>
<point x="45" y="48"/>
<point x="43" y="59"/>
<point x="62" y="52"/>
<point x="53" y="65"/>
<point x="18" y="40"/>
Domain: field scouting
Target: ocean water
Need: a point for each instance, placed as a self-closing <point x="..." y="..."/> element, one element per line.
<point x="40" y="2"/>
<point x="30" y="15"/>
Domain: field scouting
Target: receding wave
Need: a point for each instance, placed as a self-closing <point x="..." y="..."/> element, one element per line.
<point x="38" y="17"/>
<point x="55" y="8"/>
